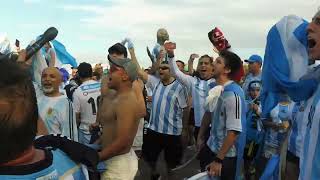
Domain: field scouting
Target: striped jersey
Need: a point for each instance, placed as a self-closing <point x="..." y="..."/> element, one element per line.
<point x="310" y="152"/>
<point x="199" y="90"/>
<point x="56" y="165"/>
<point x="298" y="125"/>
<point x="274" y="138"/>
<point x="85" y="100"/>
<point x="58" y="115"/>
<point x="226" y="117"/>
<point x="168" y="102"/>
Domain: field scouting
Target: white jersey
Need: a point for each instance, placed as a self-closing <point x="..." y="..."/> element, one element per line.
<point x="85" y="100"/>
<point x="58" y="115"/>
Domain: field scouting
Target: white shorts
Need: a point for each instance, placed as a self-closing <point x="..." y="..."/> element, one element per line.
<point x="122" y="167"/>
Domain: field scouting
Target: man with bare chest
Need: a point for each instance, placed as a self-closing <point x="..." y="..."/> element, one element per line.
<point x="119" y="115"/>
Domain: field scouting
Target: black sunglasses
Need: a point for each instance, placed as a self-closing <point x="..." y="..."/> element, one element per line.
<point x="163" y="68"/>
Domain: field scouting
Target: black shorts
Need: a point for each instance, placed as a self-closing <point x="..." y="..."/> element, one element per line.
<point x="155" y="142"/>
<point x="229" y="164"/>
<point x="191" y="117"/>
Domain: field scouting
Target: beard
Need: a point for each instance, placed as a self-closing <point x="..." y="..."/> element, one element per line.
<point x="47" y="90"/>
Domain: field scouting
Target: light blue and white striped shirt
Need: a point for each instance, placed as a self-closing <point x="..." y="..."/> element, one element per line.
<point x="58" y="115"/>
<point x="199" y="90"/>
<point x="168" y="102"/>
<point x="274" y="138"/>
<point x="226" y="117"/>
<point x="310" y="152"/>
<point x="298" y="126"/>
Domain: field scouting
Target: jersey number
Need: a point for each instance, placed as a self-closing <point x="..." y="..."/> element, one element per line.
<point x="94" y="105"/>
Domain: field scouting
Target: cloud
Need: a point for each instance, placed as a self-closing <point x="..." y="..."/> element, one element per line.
<point x="245" y="23"/>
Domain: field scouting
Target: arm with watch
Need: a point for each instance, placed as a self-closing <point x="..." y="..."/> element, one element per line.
<point x="214" y="168"/>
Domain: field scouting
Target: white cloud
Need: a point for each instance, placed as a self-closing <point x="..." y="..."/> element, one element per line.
<point x="245" y="23"/>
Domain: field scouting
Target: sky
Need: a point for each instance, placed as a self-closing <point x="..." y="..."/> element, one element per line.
<point x="89" y="27"/>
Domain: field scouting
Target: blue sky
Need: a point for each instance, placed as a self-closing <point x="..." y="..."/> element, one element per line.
<point x="88" y="27"/>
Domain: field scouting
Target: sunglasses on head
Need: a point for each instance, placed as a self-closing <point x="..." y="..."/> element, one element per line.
<point x="114" y="68"/>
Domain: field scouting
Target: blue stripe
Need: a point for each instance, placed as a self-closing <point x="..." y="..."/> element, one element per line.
<point x="175" y="120"/>
<point x="168" y="105"/>
<point x="158" y="108"/>
<point x="152" y="115"/>
<point x="301" y="33"/>
<point x="91" y="86"/>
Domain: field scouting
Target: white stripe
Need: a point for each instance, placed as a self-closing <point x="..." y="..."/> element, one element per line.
<point x="295" y="52"/>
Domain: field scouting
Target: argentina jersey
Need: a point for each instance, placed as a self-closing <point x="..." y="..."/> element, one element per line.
<point x="227" y="116"/>
<point x="310" y="153"/>
<point x="298" y="125"/>
<point x="56" y="165"/>
<point x="58" y="115"/>
<point x="200" y="91"/>
<point x="168" y="102"/>
<point x="274" y="138"/>
<point x="86" y="99"/>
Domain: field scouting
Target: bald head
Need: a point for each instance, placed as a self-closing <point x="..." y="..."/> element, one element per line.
<point x="162" y="36"/>
<point x="50" y="81"/>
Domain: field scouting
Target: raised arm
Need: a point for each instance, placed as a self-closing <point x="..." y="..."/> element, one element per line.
<point x="180" y="76"/>
<point x="143" y="75"/>
<point x="190" y="63"/>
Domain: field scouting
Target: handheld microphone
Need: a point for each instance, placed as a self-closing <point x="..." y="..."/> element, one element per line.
<point x="49" y="35"/>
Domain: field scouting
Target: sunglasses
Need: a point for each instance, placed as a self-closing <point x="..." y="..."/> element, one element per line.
<point x="163" y="68"/>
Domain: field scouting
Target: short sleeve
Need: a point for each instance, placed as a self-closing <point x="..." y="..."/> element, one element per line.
<point x="233" y="112"/>
<point x="152" y="82"/>
<point x="76" y="101"/>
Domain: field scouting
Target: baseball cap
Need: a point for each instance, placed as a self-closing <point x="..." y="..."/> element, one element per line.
<point x="127" y="65"/>
<point x="254" y="58"/>
<point x="84" y="70"/>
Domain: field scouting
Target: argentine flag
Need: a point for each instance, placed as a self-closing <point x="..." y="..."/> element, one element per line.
<point x="285" y="62"/>
<point x="62" y="55"/>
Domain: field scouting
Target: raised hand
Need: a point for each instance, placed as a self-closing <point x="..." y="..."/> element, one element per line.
<point x="193" y="56"/>
<point x="150" y="55"/>
<point x="170" y="47"/>
<point x="129" y="42"/>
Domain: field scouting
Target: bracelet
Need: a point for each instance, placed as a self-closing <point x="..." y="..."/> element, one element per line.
<point x="217" y="160"/>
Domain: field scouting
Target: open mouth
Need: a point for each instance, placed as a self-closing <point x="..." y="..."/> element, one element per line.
<point x="311" y="43"/>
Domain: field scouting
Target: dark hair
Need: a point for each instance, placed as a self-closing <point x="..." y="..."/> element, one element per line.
<point x="118" y="48"/>
<point x="18" y="110"/>
<point x="231" y="61"/>
<point x="180" y="62"/>
<point x="84" y="70"/>
<point x="206" y="56"/>
<point x="97" y="74"/>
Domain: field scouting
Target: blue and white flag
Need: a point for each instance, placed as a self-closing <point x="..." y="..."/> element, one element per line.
<point x="285" y="62"/>
<point x="271" y="171"/>
<point x="63" y="56"/>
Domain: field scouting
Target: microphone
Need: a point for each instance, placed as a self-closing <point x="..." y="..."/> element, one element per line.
<point x="47" y="36"/>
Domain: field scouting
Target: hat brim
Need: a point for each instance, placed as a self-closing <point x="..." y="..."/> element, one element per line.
<point x="113" y="61"/>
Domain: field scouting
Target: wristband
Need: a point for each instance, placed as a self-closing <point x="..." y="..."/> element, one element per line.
<point x="217" y="160"/>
